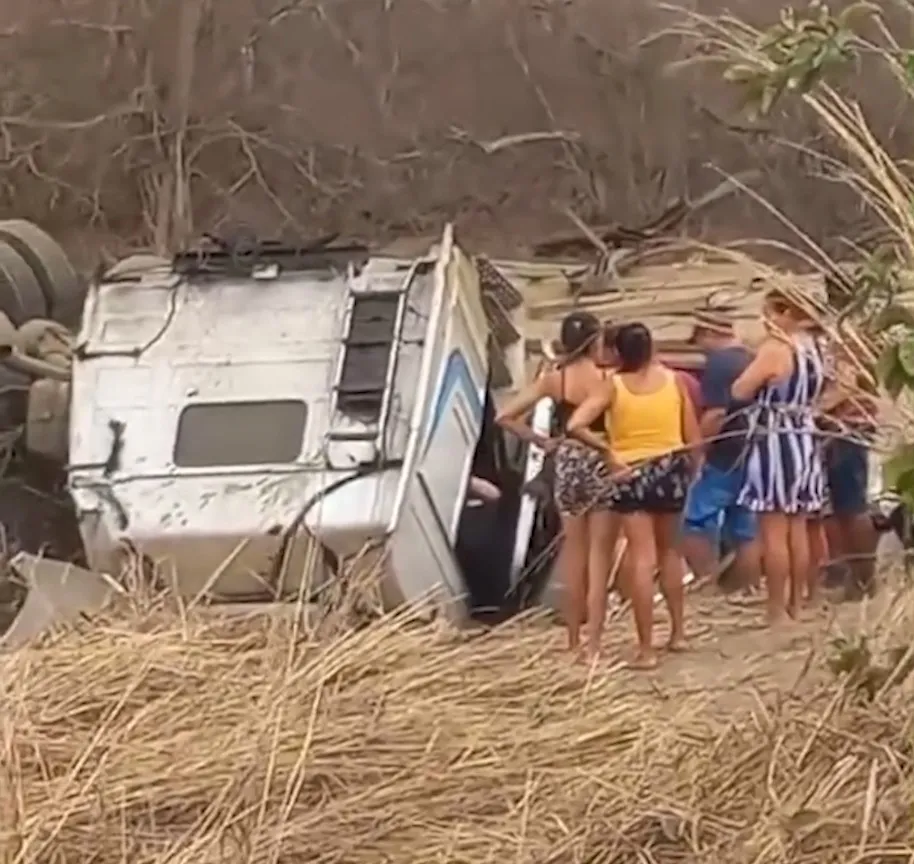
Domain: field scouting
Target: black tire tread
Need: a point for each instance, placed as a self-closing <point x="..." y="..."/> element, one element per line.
<point x="21" y="293"/>
<point x="63" y="290"/>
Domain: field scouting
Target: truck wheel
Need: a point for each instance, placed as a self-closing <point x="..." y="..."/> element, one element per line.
<point x="21" y="297"/>
<point x="63" y="290"/>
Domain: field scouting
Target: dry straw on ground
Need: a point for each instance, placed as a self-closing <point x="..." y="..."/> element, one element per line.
<point x="154" y="740"/>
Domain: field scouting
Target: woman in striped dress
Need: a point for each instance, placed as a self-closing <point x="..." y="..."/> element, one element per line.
<point x="784" y="480"/>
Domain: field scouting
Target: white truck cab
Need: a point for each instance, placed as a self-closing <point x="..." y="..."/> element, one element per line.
<point x="230" y="410"/>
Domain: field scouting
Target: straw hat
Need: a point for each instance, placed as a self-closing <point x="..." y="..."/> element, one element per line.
<point x="713" y="320"/>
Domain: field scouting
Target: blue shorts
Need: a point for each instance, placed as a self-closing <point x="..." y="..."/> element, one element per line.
<point x="847" y="467"/>
<point x="711" y="507"/>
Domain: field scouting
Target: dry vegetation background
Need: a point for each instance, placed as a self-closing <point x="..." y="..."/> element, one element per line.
<point x="135" y="122"/>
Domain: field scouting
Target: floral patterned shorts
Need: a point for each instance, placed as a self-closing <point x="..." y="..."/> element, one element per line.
<point x="658" y="486"/>
<point x="581" y="479"/>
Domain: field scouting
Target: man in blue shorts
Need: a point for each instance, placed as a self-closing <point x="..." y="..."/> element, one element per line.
<point x="712" y="517"/>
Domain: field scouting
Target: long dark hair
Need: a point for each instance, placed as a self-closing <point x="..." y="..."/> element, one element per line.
<point x="634" y="346"/>
<point x="578" y="335"/>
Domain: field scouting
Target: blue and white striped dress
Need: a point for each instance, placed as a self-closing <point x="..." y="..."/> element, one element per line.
<point x="784" y="470"/>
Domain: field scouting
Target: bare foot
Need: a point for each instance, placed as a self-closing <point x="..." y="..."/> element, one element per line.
<point x="806" y="612"/>
<point x="704" y="586"/>
<point x="779" y="619"/>
<point x="679" y="645"/>
<point x="747" y="597"/>
<point x="644" y="661"/>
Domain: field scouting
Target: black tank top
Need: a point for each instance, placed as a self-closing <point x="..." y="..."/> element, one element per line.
<point x="564" y="409"/>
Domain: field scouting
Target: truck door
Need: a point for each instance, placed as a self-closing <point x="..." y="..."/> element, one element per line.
<point x="456" y="414"/>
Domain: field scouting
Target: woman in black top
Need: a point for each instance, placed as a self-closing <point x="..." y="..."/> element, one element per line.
<point x="583" y="485"/>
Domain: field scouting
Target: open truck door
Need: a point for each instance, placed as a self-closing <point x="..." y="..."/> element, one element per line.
<point x="447" y="424"/>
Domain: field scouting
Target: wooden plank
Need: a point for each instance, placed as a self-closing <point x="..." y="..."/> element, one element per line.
<point x="662" y="296"/>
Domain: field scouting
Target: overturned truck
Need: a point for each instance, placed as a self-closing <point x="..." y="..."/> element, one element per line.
<point x="222" y="414"/>
<point x="240" y="424"/>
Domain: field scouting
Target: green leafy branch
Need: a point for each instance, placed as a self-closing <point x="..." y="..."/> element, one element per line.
<point x="797" y="53"/>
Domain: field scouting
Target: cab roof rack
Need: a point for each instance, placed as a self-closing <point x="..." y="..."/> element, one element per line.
<point x="245" y="256"/>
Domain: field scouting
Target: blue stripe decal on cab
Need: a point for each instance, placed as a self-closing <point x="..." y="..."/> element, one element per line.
<point x="456" y="375"/>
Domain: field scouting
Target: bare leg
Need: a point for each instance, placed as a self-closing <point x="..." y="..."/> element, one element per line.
<point x="862" y="540"/>
<point x="699" y="552"/>
<point x="838" y="550"/>
<point x="603" y="531"/>
<point x="639" y="529"/>
<point x="740" y="529"/>
<point x="574" y="574"/>
<point x="836" y="538"/>
<point x="798" y="572"/>
<point x="776" y="562"/>
<point x="623" y="581"/>
<point x="669" y="559"/>
<point x="818" y="555"/>
<point x="748" y="564"/>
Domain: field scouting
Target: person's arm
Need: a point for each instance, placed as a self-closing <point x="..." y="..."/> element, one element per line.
<point x="844" y="400"/>
<point x="846" y="389"/>
<point x="587" y="412"/>
<point x="715" y="396"/>
<point x="590" y="438"/>
<point x="482" y="488"/>
<point x="585" y="433"/>
<point x="711" y="421"/>
<point x="512" y="416"/>
<point x="772" y="362"/>
<point x="691" y="434"/>
<point x="833" y="396"/>
<point x="693" y="390"/>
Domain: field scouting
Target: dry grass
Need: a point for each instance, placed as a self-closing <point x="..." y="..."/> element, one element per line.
<point x="153" y="739"/>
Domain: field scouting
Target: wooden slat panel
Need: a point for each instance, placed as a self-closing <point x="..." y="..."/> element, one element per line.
<point x="661" y="296"/>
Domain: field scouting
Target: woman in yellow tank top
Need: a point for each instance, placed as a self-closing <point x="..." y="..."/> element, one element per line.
<point x="650" y="423"/>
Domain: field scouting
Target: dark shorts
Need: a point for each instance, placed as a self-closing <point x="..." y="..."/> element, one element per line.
<point x="581" y="479"/>
<point x="847" y="470"/>
<point x="711" y="508"/>
<point x="659" y="486"/>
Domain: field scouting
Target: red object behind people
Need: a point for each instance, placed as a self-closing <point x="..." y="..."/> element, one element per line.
<point x="692" y="387"/>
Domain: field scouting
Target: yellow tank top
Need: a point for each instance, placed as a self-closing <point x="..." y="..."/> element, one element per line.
<point x="644" y="425"/>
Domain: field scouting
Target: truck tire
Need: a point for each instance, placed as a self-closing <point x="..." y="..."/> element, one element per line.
<point x="63" y="290"/>
<point x="21" y="297"/>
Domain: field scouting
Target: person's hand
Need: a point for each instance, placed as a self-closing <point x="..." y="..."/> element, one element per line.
<point x="622" y="473"/>
<point x="548" y="445"/>
<point x="618" y="471"/>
